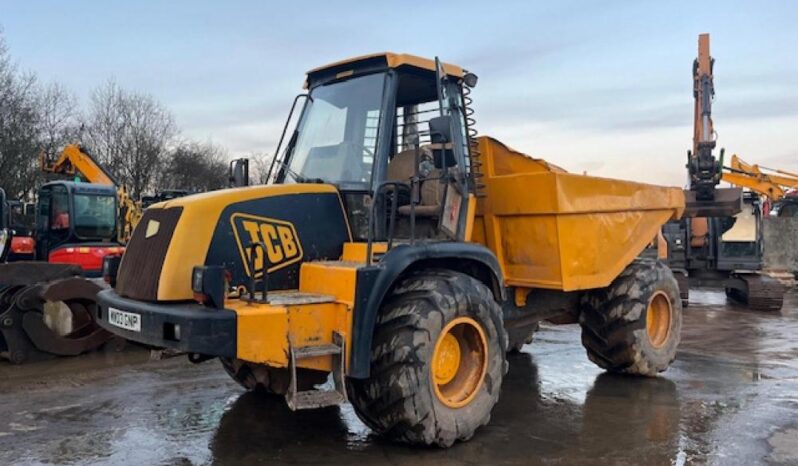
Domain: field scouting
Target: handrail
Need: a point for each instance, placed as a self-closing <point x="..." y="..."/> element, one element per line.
<point x="372" y="212"/>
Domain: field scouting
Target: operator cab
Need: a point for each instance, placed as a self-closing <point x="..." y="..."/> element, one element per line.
<point x="75" y="220"/>
<point x="390" y="132"/>
<point x="740" y="245"/>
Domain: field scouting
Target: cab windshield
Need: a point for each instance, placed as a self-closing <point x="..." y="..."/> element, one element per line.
<point x="337" y="134"/>
<point x="95" y="216"/>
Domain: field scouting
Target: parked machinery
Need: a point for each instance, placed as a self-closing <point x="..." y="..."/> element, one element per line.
<point x="76" y="161"/>
<point x="47" y="298"/>
<point x="400" y="254"/>
<point x="777" y="187"/>
<point x="722" y="245"/>
<point x="46" y="306"/>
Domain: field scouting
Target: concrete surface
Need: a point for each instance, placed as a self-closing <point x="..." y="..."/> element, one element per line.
<point x="730" y="398"/>
<point x="780" y="243"/>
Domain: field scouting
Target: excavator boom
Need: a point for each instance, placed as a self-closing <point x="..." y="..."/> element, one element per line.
<point x="704" y="198"/>
<point x="74" y="160"/>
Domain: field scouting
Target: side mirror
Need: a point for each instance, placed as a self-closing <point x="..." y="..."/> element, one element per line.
<point x="440" y="129"/>
<point x="239" y="173"/>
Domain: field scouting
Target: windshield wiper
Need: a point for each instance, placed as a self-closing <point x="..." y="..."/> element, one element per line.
<point x="297" y="177"/>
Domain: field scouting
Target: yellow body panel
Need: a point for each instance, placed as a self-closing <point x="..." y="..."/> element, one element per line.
<point x="264" y="331"/>
<point x="193" y="233"/>
<point x="356" y="252"/>
<point x="552" y="229"/>
<point x="336" y="279"/>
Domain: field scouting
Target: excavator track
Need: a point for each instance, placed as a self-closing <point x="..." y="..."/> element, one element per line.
<point x="27" y="291"/>
<point x="762" y="293"/>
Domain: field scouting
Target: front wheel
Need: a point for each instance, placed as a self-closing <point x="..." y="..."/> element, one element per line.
<point x="633" y="326"/>
<point x="437" y="361"/>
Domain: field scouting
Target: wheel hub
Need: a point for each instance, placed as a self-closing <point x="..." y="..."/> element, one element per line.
<point x="658" y="319"/>
<point x="459" y="362"/>
<point x="447" y="361"/>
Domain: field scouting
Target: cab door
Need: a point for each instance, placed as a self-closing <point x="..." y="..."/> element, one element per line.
<point x="53" y="219"/>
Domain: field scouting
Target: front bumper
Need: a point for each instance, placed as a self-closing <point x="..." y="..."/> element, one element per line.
<point x="188" y="327"/>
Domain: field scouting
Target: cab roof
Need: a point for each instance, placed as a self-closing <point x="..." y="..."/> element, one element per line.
<point x="375" y="62"/>
<point x="84" y="188"/>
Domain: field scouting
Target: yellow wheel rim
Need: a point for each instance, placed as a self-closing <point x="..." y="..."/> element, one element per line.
<point x="658" y="319"/>
<point x="459" y="362"/>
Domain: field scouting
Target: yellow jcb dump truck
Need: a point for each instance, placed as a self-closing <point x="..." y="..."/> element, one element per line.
<point x="400" y="256"/>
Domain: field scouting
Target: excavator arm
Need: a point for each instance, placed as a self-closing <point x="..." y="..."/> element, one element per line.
<point x="76" y="161"/>
<point x="704" y="198"/>
<point x="769" y="182"/>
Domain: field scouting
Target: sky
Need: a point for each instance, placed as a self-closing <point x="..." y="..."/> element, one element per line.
<point x="602" y="87"/>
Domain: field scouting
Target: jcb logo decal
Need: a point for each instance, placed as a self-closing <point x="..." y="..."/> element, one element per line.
<point x="279" y="239"/>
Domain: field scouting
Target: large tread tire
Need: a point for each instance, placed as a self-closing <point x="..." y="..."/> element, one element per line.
<point x="267" y="380"/>
<point x="613" y="320"/>
<point x="398" y="399"/>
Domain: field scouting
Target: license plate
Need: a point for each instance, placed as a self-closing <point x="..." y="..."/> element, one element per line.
<point x="125" y="320"/>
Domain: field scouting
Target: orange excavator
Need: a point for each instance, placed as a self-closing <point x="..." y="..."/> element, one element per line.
<point x="721" y="245"/>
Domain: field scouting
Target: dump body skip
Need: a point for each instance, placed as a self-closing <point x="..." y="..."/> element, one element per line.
<point x="558" y="230"/>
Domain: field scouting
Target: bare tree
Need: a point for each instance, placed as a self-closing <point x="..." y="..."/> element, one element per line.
<point x="18" y="128"/>
<point x="260" y="163"/>
<point x="130" y="133"/>
<point x="59" y="122"/>
<point x="195" y="167"/>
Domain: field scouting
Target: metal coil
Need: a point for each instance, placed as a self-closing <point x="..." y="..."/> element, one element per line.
<point x="475" y="157"/>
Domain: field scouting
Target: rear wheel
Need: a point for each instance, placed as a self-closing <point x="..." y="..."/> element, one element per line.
<point x="269" y="380"/>
<point x="437" y="361"/>
<point x="633" y="326"/>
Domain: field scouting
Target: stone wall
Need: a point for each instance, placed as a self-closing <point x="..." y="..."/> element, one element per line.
<point x="780" y="243"/>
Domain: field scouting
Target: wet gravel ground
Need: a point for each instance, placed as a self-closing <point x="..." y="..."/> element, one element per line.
<point x="731" y="397"/>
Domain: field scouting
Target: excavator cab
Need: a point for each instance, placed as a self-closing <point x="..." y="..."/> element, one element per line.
<point x="740" y="243"/>
<point x="76" y="224"/>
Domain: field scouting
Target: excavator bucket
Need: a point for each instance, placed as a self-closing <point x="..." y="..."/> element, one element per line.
<point x="46" y="311"/>
<point x="727" y="202"/>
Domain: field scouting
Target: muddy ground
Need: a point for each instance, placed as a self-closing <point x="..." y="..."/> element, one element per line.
<point x="731" y="397"/>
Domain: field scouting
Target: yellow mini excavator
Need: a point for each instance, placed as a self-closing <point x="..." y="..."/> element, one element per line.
<point x="400" y="255"/>
<point x="74" y="160"/>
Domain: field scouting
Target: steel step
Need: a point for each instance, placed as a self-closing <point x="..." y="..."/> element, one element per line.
<point x="315" y="351"/>
<point x="310" y="399"/>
